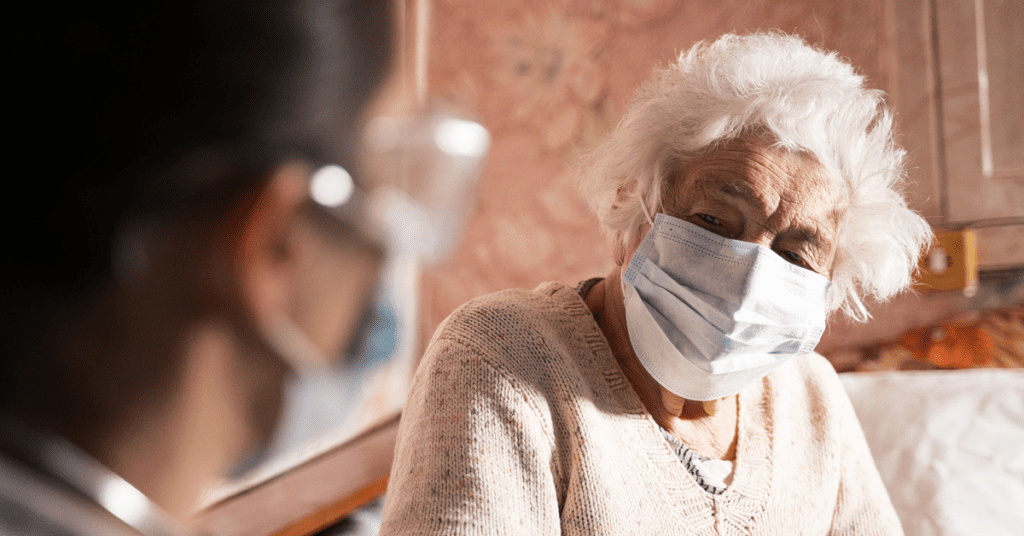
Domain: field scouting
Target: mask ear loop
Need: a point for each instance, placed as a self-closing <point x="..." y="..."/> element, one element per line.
<point x="647" y="214"/>
<point x="295" y="347"/>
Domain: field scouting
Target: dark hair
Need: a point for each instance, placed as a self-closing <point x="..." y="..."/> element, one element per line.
<point x="158" y="109"/>
<point x="128" y="107"/>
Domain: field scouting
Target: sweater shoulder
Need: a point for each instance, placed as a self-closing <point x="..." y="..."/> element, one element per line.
<point x="539" y="303"/>
<point x="809" y="378"/>
<point x="518" y="330"/>
<point x="808" y="389"/>
<point x="811" y="367"/>
<point x="499" y="317"/>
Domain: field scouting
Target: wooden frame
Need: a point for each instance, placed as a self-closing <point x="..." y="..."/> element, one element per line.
<point x="313" y="495"/>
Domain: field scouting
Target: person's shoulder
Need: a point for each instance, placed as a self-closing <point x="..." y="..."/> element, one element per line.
<point x="813" y="366"/>
<point x="35" y="503"/>
<point x="807" y="376"/>
<point x="515" y="328"/>
<point x="514" y="301"/>
<point x="512" y="308"/>
<point x="544" y="297"/>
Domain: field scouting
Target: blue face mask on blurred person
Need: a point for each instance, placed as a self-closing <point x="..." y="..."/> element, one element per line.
<point x="708" y="315"/>
<point x="376" y="337"/>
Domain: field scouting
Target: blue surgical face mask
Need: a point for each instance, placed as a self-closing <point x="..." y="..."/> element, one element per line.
<point x="708" y="315"/>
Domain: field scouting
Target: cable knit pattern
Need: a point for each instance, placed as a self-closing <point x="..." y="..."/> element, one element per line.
<point x="520" y="421"/>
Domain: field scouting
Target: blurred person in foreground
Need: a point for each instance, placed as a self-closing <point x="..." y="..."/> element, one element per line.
<point x="750" y="190"/>
<point x="166" y="267"/>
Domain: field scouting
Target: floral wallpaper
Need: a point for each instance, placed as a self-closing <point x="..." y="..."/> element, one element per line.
<point x="548" y="78"/>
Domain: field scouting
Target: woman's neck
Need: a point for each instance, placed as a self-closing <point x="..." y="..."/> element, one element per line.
<point x="714" y="435"/>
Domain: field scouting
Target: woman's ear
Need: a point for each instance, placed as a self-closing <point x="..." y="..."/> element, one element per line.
<point x="263" y="255"/>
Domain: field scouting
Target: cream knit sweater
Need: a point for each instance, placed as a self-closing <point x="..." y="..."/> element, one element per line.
<point x="520" y="421"/>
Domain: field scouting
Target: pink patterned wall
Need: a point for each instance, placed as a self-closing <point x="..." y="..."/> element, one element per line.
<point x="550" y="77"/>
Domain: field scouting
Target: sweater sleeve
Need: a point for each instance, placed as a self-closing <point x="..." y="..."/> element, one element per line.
<point x="863" y="506"/>
<point x="474" y="455"/>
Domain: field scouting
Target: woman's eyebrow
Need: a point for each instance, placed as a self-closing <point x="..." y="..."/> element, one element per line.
<point x="741" y="191"/>
<point x="812" y="237"/>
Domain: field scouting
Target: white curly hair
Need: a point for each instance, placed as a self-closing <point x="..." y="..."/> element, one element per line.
<point x="807" y="100"/>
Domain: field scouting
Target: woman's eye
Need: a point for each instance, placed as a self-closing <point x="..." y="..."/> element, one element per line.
<point x="709" y="219"/>
<point x="793" y="257"/>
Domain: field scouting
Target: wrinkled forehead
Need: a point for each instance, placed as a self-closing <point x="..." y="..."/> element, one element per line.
<point x="756" y="170"/>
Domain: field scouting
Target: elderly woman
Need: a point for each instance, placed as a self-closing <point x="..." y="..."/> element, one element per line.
<point x="750" y="190"/>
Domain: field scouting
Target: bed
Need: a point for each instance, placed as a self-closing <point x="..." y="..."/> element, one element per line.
<point x="949" y="445"/>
